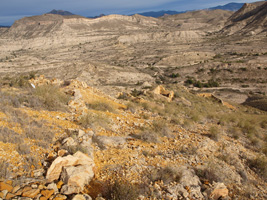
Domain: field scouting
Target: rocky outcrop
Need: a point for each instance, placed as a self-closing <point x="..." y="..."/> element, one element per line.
<point x="75" y="178"/>
<point x="160" y="90"/>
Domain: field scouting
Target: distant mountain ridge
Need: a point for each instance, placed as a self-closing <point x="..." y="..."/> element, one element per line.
<point x="156" y="14"/>
<point x="229" y="6"/>
<point x="60" y="12"/>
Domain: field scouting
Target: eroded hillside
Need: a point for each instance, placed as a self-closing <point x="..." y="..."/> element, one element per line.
<point x="116" y="53"/>
<point x="135" y="107"/>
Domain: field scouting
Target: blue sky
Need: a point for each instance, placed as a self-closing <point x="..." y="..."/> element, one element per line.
<point x="11" y="10"/>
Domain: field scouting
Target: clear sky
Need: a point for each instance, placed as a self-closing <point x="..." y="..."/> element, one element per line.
<point x="11" y="10"/>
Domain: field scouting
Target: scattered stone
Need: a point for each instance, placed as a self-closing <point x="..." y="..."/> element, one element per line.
<point x="62" y="152"/>
<point x="218" y="191"/>
<point x="81" y="133"/>
<point x="69" y="142"/>
<point x="60" y="197"/>
<point x="76" y="178"/>
<point x="81" y="197"/>
<point x="104" y="141"/>
<point x="59" y="184"/>
<point x="78" y="158"/>
<point x="38" y="173"/>
<point x="146" y="85"/>
<point x="31" y="193"/>
<point x="99" y="198"/>
<point x="47" y="193"/>
<point x="9" y="182"/>
<point x="51" y="156"/>
<point x="15" y="189"/>
<point x="189" y="185"/>
<point x="52" y="186"/>
<point x="5" y="186"/>
<point x="34" y="186"/>
<point x="3" y="194"/>
<point x="9" y="196"/>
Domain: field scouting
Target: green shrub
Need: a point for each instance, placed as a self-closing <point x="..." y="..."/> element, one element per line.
<point x="174" y="75"/>
<point x="136" y="93"/>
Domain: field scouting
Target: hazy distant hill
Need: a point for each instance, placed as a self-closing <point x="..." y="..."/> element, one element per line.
<point x="160" y="13"/>
<point x="229" y="6"/>
<point x="60" y="12"/>
<point x="94" y="17"/>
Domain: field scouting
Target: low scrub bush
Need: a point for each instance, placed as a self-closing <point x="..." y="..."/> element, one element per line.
<point x="93" y="120"/>
<point x="4" y="172"/>
<point x="74" y="148"/>
<point x="101" y="106"/>
<point x="259" y="166"/>
<point x="52" y="97"/>
<point x="9" y="136"/>
<point x="214" y="133"/>
<point x="207" y="174"/>
<point x="23" y="149"/>
<point x="35" y="130"/>
<point x="199" y="84"/>
<point x="167" y="174"/>
<point x="17" y="81"/>
<point x="153" y="133"/>
<point x="121" y="189"/>
<point x="136" y="92"/>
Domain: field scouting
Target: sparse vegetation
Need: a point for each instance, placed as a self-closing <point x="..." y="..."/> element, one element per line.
<point x="214" y="133"/>
<point x="101" y="106"/>
<point x="23" y="149"/>
<point x="259" y="166"/>
<point x="122" y="189"/>
<point x="52" y="97"/>
<point x="167" y="174"/>
<point x="199" y="84"/>
<point x="93" y="120"/>
<point x="208" y="173"/>
<point x="4" y="172"/>
<point x="74" y="148"/>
